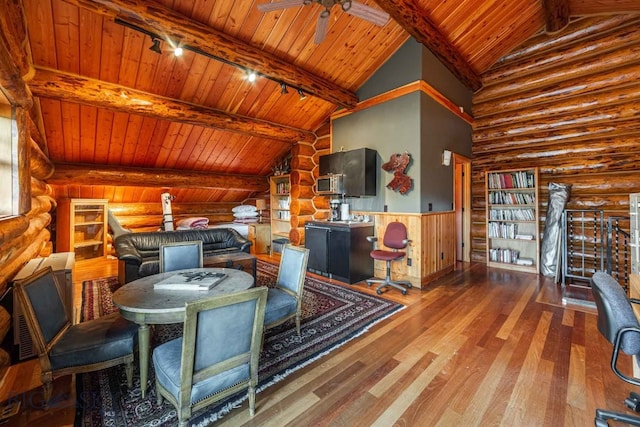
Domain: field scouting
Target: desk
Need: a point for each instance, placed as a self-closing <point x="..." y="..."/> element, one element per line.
<point x="139" y="302"/>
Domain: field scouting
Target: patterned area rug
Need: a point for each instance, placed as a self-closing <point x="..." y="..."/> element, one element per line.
<point x="332" y="315"/>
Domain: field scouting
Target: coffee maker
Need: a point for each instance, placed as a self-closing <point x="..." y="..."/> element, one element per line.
<point x="334" y="213"/>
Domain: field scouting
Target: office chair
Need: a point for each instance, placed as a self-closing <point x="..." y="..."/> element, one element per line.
<point x="395" y="237"/>
<point x="618" y="323"/>
<point x="181" y="255"/>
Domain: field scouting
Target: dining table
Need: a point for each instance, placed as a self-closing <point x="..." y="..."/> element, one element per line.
<point x="141" y="302"/>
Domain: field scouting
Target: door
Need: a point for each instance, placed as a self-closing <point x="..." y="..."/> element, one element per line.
<point x="462" y="206"/>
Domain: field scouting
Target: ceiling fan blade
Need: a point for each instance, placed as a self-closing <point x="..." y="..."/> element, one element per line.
<point x="375" y="16"/>
<point x="283" y="4"/>
<point x="321" y="26"/>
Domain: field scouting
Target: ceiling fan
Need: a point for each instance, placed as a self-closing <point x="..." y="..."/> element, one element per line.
<point x="354" y="8"/>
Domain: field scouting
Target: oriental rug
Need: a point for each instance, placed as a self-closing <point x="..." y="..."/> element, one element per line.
<point x="332" y="315"/>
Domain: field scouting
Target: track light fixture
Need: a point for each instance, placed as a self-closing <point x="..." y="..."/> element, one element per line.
<point x="156" y="45"/>
<point x="178" y="50"/>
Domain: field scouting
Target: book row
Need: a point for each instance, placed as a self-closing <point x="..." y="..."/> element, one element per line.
<point x="521" y="179"/>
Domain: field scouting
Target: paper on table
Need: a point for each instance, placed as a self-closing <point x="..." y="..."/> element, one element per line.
<point x="196" y="281"/>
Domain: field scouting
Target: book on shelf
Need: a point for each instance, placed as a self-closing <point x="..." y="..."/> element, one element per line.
<point x="524" y="236"/>
<point x="191" y="281"/>
<point x="524" y="261"/>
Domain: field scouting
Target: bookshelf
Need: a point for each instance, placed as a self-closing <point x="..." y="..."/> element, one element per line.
<point x="513" y="239"/>
<point x="81" y="227"/>
<point x="280" y="202"/>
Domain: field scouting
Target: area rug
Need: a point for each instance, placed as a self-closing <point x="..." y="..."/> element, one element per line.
<point x="332" y="315"/>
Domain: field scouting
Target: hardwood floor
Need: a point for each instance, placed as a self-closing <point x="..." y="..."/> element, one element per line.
<point x="479" y="347"/>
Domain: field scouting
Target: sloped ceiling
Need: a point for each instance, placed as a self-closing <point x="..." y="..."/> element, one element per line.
<point x="110" y="103"/>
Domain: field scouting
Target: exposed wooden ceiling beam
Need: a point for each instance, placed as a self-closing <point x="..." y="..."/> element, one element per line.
<point x="556" y="15"/>
<point x="72" y="174"/>
<point x="157" y="18"/>
<point x="408" y="14"/>
<point x="48" y="83"/>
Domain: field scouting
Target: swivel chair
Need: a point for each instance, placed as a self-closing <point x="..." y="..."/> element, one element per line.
<point x="619" y="325"/>
<point x="395" y="237"/>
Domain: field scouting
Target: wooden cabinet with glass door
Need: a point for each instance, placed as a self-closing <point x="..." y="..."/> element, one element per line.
<point x="81" y="227"/>
<point x="280" y="214"/>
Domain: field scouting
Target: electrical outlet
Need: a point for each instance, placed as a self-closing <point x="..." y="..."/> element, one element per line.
<point x="409" y="262"/>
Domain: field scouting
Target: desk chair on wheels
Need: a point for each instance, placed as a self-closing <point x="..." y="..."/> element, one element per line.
<point x="395" y="237"/>
<point x="618" y="323"/>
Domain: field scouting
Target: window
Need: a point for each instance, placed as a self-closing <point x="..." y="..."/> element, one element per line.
<point x="9" y="190"/>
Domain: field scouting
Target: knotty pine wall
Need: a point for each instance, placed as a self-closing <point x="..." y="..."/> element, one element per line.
<point x="568" y="104"/>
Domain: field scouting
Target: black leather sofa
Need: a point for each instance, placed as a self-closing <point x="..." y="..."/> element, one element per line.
<point x="138" y="253"/>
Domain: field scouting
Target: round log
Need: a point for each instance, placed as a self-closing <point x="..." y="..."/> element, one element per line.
<point x="323" y="142"/>
<point x="12" y="227"/>
<point x="300" y="220"/>
<point x="34" y="245"/>
<point x="296" y="236"/>
<point x="39" y="187"/>
<point x="302" y="177"/>
<point x="321" y="202"/>
<point x="304" y="163"/>
<point x="40" y="165"/>
<point x="302" y="207"/>
<point x="303" y="149"/>
<point x="302" y="191"/>
<point x="193" y="209"/>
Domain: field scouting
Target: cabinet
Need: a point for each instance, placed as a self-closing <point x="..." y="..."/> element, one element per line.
<point x="339" y="251"/>
<point x="260" y="236"/>
<point x="81" y="227"/>
<point x="280" y="186"/>
<point x="512" y="219"/>
<point x="359" y="168"/>
<point x="62" y="265"/>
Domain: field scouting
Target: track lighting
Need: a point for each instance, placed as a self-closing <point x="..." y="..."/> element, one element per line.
<point x="283" y="89"/>
<point x="251" y="76"/>
<point x="301" y="95"/>
<point x="178" y="51"/>
<point x="156" y="45"/>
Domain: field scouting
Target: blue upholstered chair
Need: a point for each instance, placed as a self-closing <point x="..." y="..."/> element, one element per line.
<point x="284" y="300"/>
<point x="618" y="323"/>
<point x="180" y="255"/>
<point x="64" y="348"/>
<point x="216" y="357"/>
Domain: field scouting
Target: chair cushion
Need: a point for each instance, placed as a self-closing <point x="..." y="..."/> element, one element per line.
<point x="386" y="255"/>
<point x="94" y="341"/>
<point x="279" y="305"/>
<point x="167" y="365"/>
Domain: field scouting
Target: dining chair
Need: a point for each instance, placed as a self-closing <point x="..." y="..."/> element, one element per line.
<point x="217" y="355"/>
<point x="284" y="300"/>
<point x="181" y="255"/>
<point x="64" y="348"/>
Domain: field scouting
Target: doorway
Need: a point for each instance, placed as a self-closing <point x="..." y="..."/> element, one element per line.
<point x="462" y="206"/>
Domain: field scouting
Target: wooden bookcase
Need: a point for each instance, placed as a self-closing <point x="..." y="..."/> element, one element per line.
<point x="513" y="239"/>
<point x="81" y="227"/>
<point x="280" y="202"/>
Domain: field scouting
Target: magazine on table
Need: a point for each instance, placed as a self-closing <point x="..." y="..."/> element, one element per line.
<point x="191" y="280"/>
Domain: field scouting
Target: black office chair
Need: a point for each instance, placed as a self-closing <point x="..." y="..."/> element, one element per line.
<point x="618" y="323"/>
<point x="395" y="237"/>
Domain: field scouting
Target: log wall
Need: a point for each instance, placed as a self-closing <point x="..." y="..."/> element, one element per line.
<point x="568" y="104"/>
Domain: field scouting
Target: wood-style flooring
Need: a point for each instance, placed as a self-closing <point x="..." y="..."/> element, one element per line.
<point x="479" y="347"/>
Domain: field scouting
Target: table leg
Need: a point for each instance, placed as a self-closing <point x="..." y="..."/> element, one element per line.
<point x="143" y="352"/>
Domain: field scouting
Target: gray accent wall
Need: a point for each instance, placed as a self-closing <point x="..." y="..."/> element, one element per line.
<point x="414" y="123"/>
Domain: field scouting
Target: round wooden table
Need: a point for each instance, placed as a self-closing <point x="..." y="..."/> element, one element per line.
<point x="139" y="302"/>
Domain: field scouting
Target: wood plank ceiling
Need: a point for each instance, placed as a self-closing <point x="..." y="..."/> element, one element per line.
<point x="110" y="103"/>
